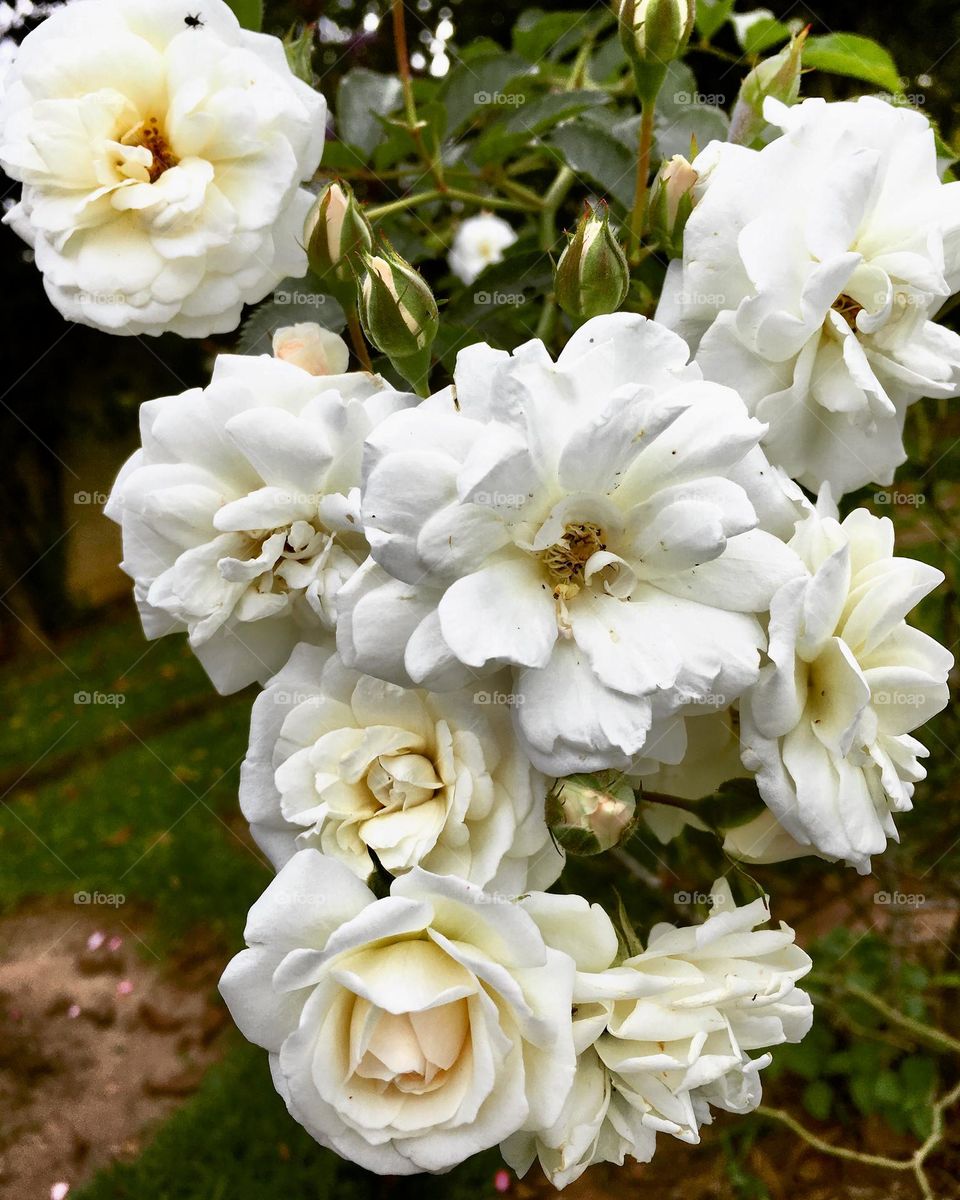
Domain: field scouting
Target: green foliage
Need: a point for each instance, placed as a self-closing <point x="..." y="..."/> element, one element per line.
<point x="858" y="57"/>
<point x="855" y="1061"/>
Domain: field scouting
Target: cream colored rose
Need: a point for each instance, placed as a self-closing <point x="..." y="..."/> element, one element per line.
<point x="360" y="768"/>
<point x="405" y="1033"/>
<point x="160" y="148"/>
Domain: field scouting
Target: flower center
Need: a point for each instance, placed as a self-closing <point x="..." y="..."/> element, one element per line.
<point x="848" y="308"/>
<point x="149" y="135"/>
<point x="402" y="781"/>
<point x="566" y="558"/>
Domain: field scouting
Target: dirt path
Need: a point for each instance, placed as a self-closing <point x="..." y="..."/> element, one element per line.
<point x="96" y="1045"/>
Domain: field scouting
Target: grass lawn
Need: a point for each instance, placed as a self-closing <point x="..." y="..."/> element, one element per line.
<point x="140" y="799"/>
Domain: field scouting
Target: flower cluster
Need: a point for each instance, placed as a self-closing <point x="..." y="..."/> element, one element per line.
<point x="566" y="596"/>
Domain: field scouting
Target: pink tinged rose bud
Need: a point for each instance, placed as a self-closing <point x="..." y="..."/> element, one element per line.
<point x="316" y="350"/>
<point x="587" y="817"/>
<point x="336" y="233"/>
<point x="671" y="202"/>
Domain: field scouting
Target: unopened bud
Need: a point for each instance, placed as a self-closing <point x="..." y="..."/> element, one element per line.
<point x="587" y="815"/>
<point x="398" y="313"/>
<point x="592" y="275"/>
<point x="316" y="350"/>
<point x="336" y="233"/>
<point x="778" y="77"/>
<point x="671" y="202"/>
<point x="655" y="32"/>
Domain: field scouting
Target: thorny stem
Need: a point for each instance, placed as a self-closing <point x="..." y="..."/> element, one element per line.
<point x="409" y="104"/>
<point x="923" y="1033"/>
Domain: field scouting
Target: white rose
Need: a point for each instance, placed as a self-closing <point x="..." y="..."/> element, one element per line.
<point x="405" y="1033"/>
<point x="311" y="348"/>
<point x="582" y="522"/>
<point x="349" y="764"/>
<point x="830" y="337"/>
<point x="160" y="149"/>
<point x="479" y="242"/>
<point x="666" y="1033"/>
<point x="240" y="514"/>
<point x="827" y="726"/>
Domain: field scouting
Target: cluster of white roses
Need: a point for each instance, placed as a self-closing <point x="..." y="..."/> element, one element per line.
<point x="601" y="562"/>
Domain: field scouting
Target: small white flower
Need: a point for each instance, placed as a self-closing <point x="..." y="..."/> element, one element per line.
<point x="588" y="522"/>
<point x="160" y="149"/>
<point x="827" y="725"/>
<point x="311" y="348"/>
<point x="349" y="764"/>
<point x="241" y="512"/>
<point x="479" y="242"/>
<point x="405" y="1033"/>
<point x="666" y="1033"/>
<point x="812" y="270"/>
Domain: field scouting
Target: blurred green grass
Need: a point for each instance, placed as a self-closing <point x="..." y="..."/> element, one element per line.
<point x="141" y="801"/>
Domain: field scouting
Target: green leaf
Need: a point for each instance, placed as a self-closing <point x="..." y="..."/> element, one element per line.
<point x="249" y="13"/>
<point x="763" y="34"/>
<point x="476" y="85"/>
<point x="682" y="113"/>
<point x="539" y="35"/>
<point x="855" y="56"/>
<point x="292" y="301"/>
<point x="591" y="151"/>
<point x="818" y="1099"/>
<point x="525" y="122"/>
<point x="711" y="14"/>
<point x="363" y="98"/>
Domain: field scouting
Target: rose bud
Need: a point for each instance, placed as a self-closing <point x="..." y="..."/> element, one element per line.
<point x="336" y="232"/>
<point x="671" y="202"/>
<point x="779" y="77"/>
<point x="655" y="31"/>
<point x="316" y="350"/>
<point x="587" y="817"/>
<point x="398" y="313"/>
<point x="592" y="275"/>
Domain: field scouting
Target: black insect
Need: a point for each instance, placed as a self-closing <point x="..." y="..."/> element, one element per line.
<point x="193" y="21"/>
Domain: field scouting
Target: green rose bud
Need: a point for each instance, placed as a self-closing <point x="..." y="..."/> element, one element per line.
<point x="779" y="77"/>
<point x="671" y="202"/>
<point x="336" y="233"/>
<point x="653" y="33"/>
<point x="398" y="313"/>
<point x="592" y="275"/>
<point x="587" y="815"/>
